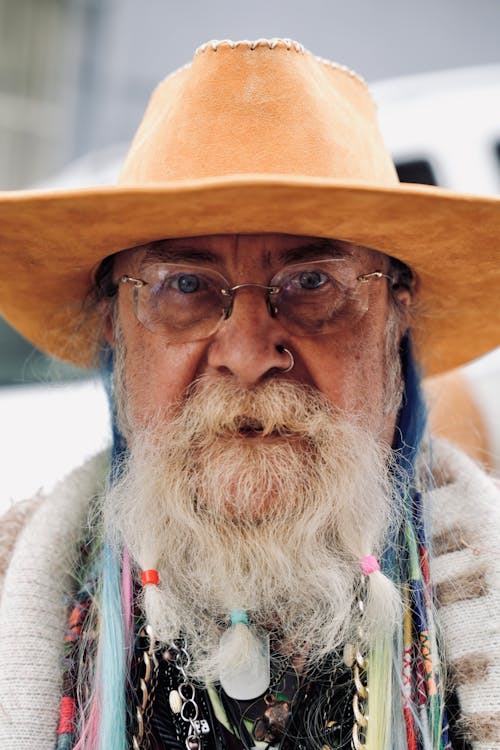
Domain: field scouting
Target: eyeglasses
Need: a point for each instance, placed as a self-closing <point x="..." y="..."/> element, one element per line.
<point x="185" y="303"/>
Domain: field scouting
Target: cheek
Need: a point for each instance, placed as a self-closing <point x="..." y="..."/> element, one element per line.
<point x="351" y="374"/>
<point x="155" y="375"/>
<point x="350" y="369"/>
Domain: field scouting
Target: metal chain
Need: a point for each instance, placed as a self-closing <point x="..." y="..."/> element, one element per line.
<point x="183" y="700"/>
<point x="359" y="703"/>
<point x="276" y="679"/>
<point x="147" y="686"/>
<point x="354" y="658"/>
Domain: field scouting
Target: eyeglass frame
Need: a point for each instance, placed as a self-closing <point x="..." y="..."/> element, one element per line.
<point x="229" y="291"/>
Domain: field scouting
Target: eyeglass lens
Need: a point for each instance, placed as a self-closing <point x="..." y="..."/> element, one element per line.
<point x="187" y="303"/>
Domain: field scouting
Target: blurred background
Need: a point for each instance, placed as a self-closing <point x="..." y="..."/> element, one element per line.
<point x="75" y="76"/>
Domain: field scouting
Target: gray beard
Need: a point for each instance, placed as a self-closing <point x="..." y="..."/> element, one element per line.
<point x="274" y="525"/>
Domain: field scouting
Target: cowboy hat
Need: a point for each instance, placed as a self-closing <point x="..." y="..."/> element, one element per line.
<point x="255" y="137"/>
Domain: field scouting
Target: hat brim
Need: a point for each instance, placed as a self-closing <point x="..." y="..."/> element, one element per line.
<point x="52" y="242"/>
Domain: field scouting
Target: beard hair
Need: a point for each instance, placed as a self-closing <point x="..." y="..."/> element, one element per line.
<point x="274" y="525"/>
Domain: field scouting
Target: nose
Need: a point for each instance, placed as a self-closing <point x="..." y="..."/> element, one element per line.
<point x="249" y="345"/>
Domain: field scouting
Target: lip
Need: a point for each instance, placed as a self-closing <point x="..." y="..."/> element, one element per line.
<point x="253" y="434"/>
<point x="246" y="427"/>
<point x="248" y="424"/>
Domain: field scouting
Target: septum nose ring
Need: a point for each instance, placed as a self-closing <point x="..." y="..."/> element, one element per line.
<point x="282" y="350"/>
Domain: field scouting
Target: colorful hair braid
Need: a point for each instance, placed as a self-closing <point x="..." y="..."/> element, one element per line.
<point x="406" y="562"/>
<point x="416" y="709"/>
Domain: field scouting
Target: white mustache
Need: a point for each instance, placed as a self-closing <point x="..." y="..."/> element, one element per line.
<point x="215" y="407"/>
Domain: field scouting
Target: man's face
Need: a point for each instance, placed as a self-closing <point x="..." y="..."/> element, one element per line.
<point x="272" y="517"/>
<point x="348" y="366"/>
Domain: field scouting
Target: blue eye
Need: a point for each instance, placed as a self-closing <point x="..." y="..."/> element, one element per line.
<point x="312" y="279"/>
<point x="188" y="283"/>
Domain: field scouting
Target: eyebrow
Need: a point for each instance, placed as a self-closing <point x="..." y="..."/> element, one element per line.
<point x="185" y="253"/>
<point x="315" y="250"/>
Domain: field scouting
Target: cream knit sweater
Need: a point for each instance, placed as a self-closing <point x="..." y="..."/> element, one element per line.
<point x="465" y="516"/>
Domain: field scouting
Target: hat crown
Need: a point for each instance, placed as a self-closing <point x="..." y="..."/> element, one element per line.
<point x="254" y="137"/>
<point x="266" y="107"/>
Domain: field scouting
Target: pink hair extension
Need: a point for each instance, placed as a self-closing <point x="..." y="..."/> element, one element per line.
<point x="89" y="736"/>
<point x="95" y="723"/>
<point x="127" y="602"/>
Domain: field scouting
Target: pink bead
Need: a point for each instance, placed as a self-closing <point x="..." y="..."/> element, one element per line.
<point x="369" y="564"/>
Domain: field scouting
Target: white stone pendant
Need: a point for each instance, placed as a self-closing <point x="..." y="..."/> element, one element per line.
<point x="244" y="660"/>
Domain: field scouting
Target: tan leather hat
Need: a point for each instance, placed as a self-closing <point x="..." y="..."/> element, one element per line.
<point x="255" y="137"/>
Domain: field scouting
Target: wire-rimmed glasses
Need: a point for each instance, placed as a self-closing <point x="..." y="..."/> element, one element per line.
<point x="186" y="302"/>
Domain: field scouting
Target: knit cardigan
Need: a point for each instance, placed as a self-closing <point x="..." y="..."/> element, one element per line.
<point x="40" y="543"/>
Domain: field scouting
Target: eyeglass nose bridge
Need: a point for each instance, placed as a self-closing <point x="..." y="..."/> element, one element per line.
<point x="230" y="294"/>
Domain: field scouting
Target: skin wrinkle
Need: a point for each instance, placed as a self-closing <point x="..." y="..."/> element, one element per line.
<point x="350" y="370"/>
<point x="235" y="531"/>
<point x="321" y="248"/>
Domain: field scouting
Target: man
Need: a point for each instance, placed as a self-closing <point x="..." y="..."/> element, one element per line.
<point x="256" y="571"/>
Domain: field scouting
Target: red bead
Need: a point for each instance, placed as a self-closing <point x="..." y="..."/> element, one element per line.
<point x="150" y="577"/>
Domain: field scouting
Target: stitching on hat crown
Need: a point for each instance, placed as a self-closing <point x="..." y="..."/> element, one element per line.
<point x="214" y="44"/>
<point x="273" y="43"/>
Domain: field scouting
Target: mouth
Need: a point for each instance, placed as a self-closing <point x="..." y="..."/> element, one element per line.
<point x="249" y="427"/>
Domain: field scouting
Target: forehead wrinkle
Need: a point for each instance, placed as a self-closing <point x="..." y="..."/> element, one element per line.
<point x="186" y="252"/>
<point x="316" y="249"/>
<point x="309" y="249"/>
<point x="178" y="254"/>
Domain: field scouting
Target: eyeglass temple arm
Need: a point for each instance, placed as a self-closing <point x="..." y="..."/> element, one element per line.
<point x="136" y="282"/>
<point x="374" y="275"/>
